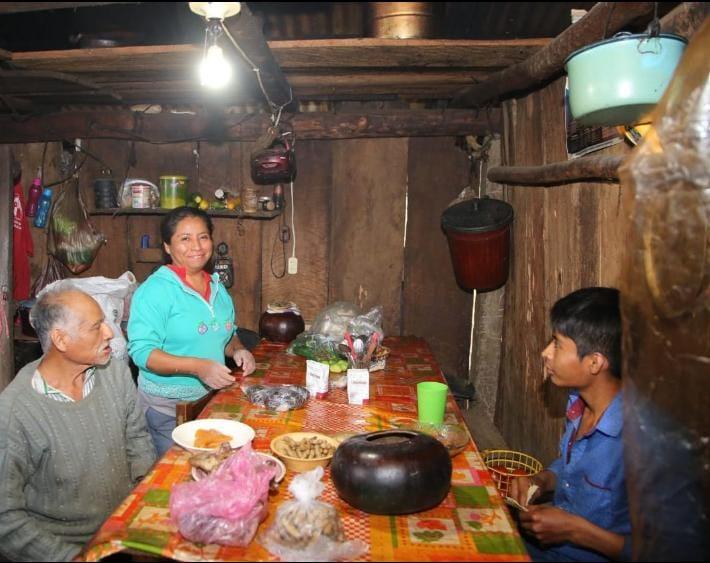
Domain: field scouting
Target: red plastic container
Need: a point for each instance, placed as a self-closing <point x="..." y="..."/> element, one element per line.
<point x="478" y="232"/>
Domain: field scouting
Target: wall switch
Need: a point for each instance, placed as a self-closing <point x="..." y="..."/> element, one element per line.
<point x="293" y="265"/>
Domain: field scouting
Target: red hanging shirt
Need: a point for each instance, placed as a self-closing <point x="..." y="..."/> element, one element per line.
<point x="22" y="248"/>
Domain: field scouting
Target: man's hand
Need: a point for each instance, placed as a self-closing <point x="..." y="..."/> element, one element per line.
<point x="518" y="490"/>
<point x="548" y="524"/>
<point x="244" y="359"/>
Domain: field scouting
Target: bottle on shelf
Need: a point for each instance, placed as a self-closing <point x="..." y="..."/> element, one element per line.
<point x="33" y="197"/>
<point x="43" y="208"/>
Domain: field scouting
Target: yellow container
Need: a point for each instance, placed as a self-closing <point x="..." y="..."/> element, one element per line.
<point x="173" y="191"/>
<point x="299" y="465"/>
<point x="505" y="465"/>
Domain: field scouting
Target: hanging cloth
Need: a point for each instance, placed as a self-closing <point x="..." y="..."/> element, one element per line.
<point x="22" y="247"/>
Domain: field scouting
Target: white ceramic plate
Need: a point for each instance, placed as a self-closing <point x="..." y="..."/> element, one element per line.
<point x="184" y="435"/>
<point x="198" y="474"/>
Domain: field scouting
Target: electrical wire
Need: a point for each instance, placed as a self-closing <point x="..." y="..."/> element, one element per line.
<point x="293" y="223"/>
<point x="274" y="108"/>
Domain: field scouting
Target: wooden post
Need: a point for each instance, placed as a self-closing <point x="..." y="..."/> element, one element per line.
<point x="603" y="20"/>
<point x="7" y="358"/>
<point x="247" y="31"/>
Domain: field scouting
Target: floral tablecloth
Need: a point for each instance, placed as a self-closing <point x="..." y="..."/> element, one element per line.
<point x="471" y="524"/>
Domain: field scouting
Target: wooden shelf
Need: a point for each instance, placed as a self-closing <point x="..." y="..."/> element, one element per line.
<point x="151" y="255"/>
<point x="264" y="215"/>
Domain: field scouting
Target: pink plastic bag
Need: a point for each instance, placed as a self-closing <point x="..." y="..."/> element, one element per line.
<point x="227" y="506"/>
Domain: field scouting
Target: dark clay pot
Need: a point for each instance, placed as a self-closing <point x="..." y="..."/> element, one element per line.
<point x="281" y="327"/>
<point x="392" y="472"/>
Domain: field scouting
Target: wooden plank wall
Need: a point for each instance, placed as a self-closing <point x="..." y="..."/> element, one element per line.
<point x="350" y="210"/>
<point x="6" y="225"/>
<point x="564" y="237"/>
<point x="435" y="306"/>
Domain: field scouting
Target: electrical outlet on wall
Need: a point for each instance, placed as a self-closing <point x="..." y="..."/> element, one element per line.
<point x="293" y="265"/>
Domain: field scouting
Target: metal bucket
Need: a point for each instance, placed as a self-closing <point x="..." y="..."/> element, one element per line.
<point x="402" y="20"/>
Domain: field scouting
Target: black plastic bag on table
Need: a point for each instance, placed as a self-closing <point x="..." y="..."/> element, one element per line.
<point x="72" y="239"/>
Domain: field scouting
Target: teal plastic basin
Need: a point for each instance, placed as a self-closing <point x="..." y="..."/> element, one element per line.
<point x="618" y="81"/>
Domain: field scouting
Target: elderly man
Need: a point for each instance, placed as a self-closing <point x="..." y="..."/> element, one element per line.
<point x="72" y="442"/>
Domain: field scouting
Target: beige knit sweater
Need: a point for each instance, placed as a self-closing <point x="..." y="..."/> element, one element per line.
<point x="64" y="467"/>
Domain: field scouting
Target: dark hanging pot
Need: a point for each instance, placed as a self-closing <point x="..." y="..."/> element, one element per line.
<point x="392" y="472"/>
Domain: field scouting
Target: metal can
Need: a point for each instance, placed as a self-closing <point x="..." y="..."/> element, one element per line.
<point x="173" y="191"/>
<point x="265" y="204"/>
<point x="140" y="196"/>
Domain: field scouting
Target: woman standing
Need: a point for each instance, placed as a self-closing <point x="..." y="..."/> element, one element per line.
<point x="182" y="325"/>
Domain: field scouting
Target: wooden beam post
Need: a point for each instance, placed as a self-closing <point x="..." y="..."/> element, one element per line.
<point x="603" y="20"/>
<point x="168" y="127"/>
<point x="586" y="168"/>
<point x="7" y="358"/>
<point x="246" y="28"/>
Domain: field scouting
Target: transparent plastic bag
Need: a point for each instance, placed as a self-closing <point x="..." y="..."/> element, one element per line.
<point x="277" y="397"/>
<point x="332" y="322"/>
<point x="314" y="347"/>
<point x="306" y="529"/>
<point x="227" y="506"/>
<point x="368" y="324"/>
<point x="72" y="239"/>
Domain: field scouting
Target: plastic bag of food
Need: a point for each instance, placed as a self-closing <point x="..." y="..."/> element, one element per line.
<point x="368" y="324"/>
<point x="277" y="397"/>
<point x="306" y="529"/>
<point x="315" y="347"/>
<point x="72" y="239"/>
<point x="332" y="322"/>
<point x="227" y="506"/>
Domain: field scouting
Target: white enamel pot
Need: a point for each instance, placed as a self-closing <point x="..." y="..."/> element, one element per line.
<point x="618" y="81"/>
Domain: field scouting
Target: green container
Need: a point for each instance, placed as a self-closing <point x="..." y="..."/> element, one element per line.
<point x="173" y="191"/>
<point x="431" y="401"/>
<point x="618" y="81"/>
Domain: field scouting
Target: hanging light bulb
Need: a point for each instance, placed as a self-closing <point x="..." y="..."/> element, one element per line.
<point x="215" y="70"/>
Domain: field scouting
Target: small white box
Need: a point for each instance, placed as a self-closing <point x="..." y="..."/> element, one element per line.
<point x="317" y="378"/>
<point x="358" y="386"/>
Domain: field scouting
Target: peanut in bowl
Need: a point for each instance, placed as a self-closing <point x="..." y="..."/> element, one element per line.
<point x="303" y="451"/>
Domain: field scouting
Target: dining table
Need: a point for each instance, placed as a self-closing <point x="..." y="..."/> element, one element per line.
<point x="472" y="523"/>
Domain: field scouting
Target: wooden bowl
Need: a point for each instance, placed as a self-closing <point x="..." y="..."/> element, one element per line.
<point x="300" y="465"/>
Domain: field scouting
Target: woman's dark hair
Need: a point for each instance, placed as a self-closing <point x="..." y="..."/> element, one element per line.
<point x="592" y="318"/>
<point x="169" y="224"/>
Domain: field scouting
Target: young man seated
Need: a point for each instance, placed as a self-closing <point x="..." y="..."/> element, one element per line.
<point x="589" y="516"/>
<point x="73" y="443"/>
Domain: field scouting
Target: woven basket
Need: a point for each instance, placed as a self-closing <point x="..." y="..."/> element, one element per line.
<point x="504" y="465"/>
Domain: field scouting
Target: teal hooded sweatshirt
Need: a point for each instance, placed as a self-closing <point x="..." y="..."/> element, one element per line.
<point x="168" y="315"/>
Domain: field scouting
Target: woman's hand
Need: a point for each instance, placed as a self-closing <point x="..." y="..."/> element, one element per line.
<point x="548" y="524"/>
<point x="214" y="375"/>
<point x="244" y="359"/>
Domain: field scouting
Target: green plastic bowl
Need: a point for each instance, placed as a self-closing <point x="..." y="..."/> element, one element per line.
<point x="620" y="80"/>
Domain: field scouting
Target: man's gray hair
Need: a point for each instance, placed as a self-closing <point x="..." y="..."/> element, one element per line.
<point x="50" y="312"/>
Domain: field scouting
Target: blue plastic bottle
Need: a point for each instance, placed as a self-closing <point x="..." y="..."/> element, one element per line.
<point x="45" y="204"/>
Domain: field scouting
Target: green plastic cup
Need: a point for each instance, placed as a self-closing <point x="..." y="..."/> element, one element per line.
<point x="431" y="401"/>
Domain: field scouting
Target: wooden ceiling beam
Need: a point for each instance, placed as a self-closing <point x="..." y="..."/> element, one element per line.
<point x="246" y="29"/>
<point x="603" y="20"/>
<point x="302" y="55"/>
<point x="168" y="127"/>
<point x="18" y="7"/>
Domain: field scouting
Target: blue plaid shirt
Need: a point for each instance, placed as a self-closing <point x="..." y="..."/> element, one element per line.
<point x="590" y="477"/>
